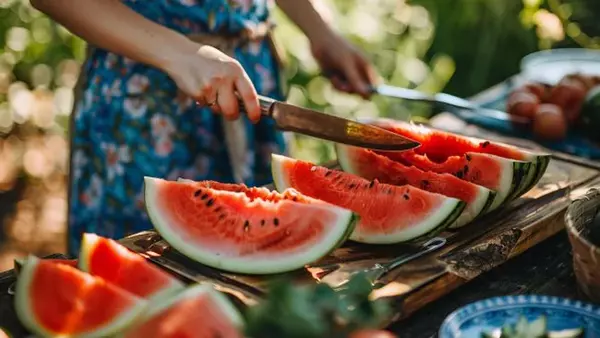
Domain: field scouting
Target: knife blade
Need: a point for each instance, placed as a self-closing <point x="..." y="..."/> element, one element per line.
<point x="463" y="108"/>
<point x="313" y="123"/>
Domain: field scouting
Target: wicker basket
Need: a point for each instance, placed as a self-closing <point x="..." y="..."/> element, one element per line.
<point x="586" y="256"/>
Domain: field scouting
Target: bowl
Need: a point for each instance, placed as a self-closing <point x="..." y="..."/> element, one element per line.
<point x="583" y="227"/>
<point x="549" y="66"/>
<point x="491" y="314"/>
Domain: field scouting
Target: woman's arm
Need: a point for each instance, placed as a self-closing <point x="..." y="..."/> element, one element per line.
<point x="111" y="25"/>
<point x="201" y="71"/>
<point x="304" y="15"/>
<point x="347" y="68"/>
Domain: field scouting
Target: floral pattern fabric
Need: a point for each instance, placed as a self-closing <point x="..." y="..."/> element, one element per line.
<point x="131" y="121"/>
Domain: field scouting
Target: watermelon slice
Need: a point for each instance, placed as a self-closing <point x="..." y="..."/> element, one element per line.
<point x="369" y="165"/>
<point x="388" y="214"/>
<point x="199" y="311"/>
<point x="57" y="300"/>
<point x="109" y="260"/>
<point x="245" y="230"/>
<point x="20" y="261"/>
<point x="507" y="170"/>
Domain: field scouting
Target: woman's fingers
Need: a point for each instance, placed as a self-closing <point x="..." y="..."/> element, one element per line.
<point x="368" y="71"/>
<point x="249" y="97"/>
<point x="209" y="98"/>
<point x="227" y="101"/>
<point x="340" y="84"/>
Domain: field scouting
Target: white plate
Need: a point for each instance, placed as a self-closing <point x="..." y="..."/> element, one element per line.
<point x="549" y="66"/>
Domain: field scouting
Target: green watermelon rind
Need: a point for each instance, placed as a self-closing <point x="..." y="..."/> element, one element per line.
<point x="484" y="198"/>
<point x="88" y="243"/>
<point x="25" y="315"/>
<point x="344" y="220"/>
<point x="190" y="292"/>
<point x="445" y="215"/>
<point x="512" y="174"/>
<point x="539" y="165"/>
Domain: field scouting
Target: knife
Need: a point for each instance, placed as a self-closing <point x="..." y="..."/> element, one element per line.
<point x="289" y="117"/>
<point x="463" y="108"/>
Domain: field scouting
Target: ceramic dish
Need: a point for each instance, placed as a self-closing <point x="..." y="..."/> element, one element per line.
<point x="550" y="66"/>
<point x="488" y="315"/>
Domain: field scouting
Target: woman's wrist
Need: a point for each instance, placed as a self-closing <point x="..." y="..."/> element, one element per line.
<point x="175" y="54"/>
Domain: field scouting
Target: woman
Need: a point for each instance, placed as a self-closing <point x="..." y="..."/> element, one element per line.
<point x="150" y="88"/>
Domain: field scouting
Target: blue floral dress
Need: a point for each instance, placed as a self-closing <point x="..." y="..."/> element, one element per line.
<point x="131" y="121"/>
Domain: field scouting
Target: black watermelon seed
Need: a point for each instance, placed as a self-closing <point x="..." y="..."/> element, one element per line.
<point x="425" y="183"/>
<point x="276" y="221"/>
<point x="371" y="184"/>
<point x="246" y="226"/>
<point x="328" y="173"/>
<point x="351" y="185"/>
<point x="468" y="157"/>
<point x="459" y="174"/>
<point x="485" y="144"/>
<point x="197" y="193"/>
<point x="406" y="197"/>
<point x="205" y="196"/>
<point x="466" y="169"/>
<point x="210" y="202"/>
<point x="262" y="222"/>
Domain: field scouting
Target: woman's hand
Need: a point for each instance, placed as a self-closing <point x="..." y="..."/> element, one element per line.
<point x="212" y="78"/>
<point x="204" y="73"/>
<point x="345" y="65"/>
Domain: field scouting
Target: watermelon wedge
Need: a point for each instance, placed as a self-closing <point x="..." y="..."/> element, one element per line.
<point x="20" y="261"/>
<point x="388" y="214"/>
<point x="57" y="300"/>
<point x="369" y="165"/>
<point x="245" y="230"/>
<point x="199" y="311"/>
<point x="109" y="260"/>
<point x="507" y="170"/>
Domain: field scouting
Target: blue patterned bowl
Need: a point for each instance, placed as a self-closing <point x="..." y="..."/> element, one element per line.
<point x="493" y="313"/>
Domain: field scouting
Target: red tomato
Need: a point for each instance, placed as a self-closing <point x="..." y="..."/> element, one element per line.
<point x="586" y="80"/>
<point x="538" y="89"/>
<point x="568" y="94"/>
<point x="372" y="333"/>
<point x="522" y="103"/>
<point x="549" y="122"/>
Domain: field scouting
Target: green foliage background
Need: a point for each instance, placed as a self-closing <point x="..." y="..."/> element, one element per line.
<point x="458" y="46"/>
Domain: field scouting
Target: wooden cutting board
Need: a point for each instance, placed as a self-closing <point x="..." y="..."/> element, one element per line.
<point x="477" y="248"/>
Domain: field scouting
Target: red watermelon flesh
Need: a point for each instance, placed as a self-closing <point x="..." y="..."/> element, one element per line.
<point x="109" y="260"/>
<point x="244" y="230"/>
<point x="199" y="311"/>
<point x="59" y="300"/>
<point x="370" y="165"/>
<point x="440" y="146"/>
<point x="388" y="213"/>
<point x="507" y="170"/>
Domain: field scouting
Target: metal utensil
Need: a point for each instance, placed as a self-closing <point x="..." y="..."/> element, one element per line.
<point x="458" y="106"/>
<point x="374" y="272"/>
<point x="310" y="122"/>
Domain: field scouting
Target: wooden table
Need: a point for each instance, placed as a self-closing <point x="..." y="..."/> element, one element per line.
<point x="545" y="269"/>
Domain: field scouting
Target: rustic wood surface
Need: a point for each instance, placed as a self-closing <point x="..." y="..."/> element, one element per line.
<point x="544" y="269"/>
